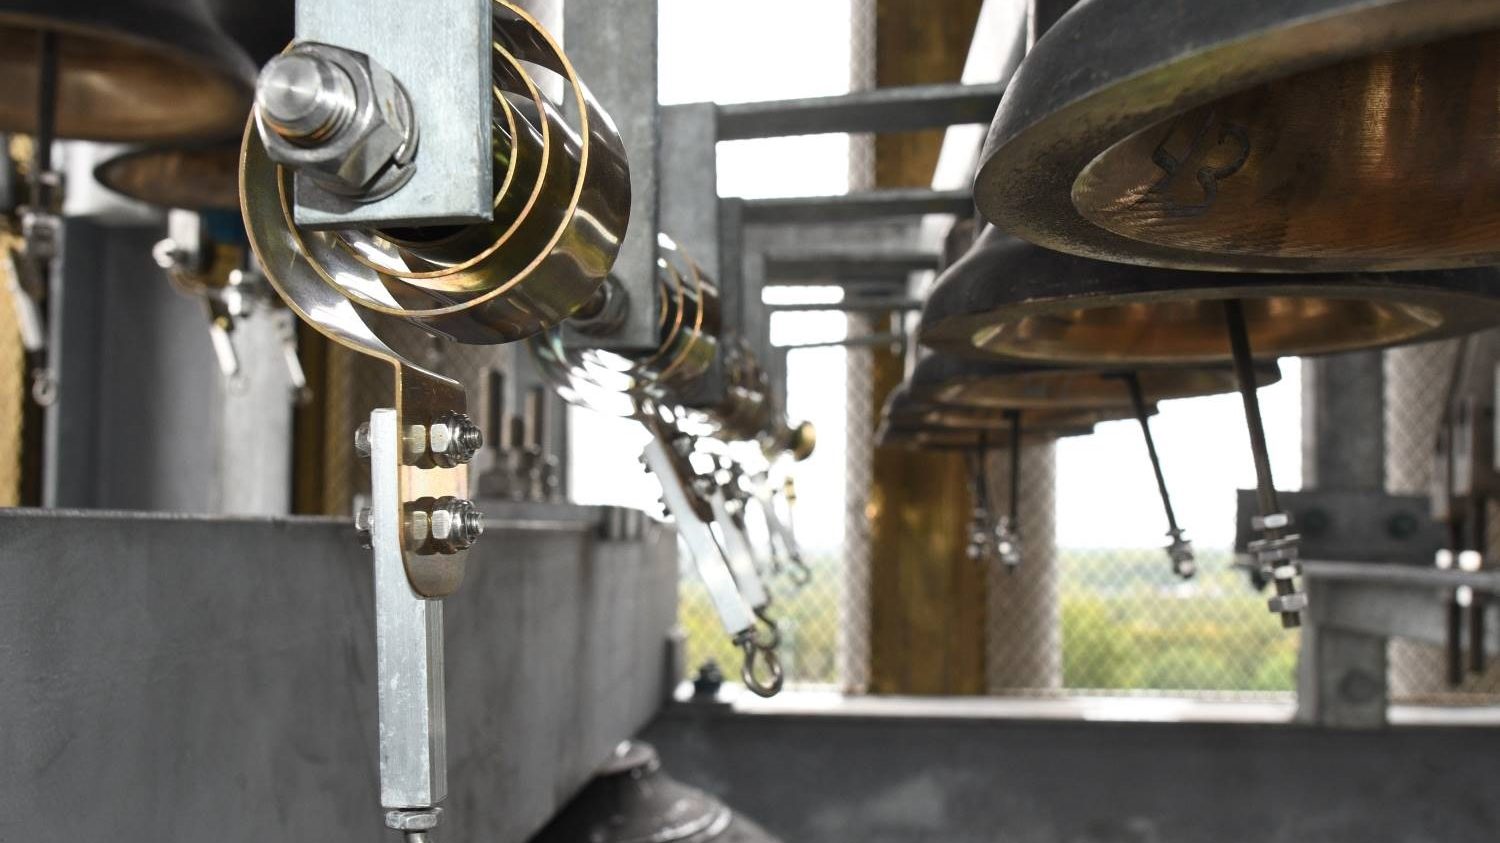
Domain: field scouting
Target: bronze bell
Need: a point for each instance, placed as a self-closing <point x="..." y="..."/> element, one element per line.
<point x="204" y="176"/>
<point x="1009" y="298"/>
<point x="197" y="177"/>
<point x="632" y="801"/>
<point x="908" y="420"/>
<point x="1297" y="136"/>
<point x="1003" y="384"/>
<point x="127" y="70"/>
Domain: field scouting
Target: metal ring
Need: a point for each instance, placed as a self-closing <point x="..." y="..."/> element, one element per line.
<point x="799" y="573"/>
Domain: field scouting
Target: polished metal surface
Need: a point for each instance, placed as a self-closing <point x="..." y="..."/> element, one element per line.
<point x="909" y="420"/>
<point x="560" y="199"/>
<point x="1290" y="136"/>
<point x="128" y="71"/>
<point x="998" y="385"/>
<point x="197" y="177"/>
<point x="408" y="644"/>
<point x="440" y="52"/>
<point x="1009" y="298"/>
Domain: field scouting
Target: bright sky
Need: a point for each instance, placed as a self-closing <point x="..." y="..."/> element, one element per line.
<point x="718" y="50"/>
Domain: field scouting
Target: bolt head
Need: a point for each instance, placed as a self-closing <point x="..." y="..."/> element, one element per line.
<point x="413" y="820"/>
<point x="362" y="440"/>
<point x="365" y="146"/>
<point x="303" y="96"/>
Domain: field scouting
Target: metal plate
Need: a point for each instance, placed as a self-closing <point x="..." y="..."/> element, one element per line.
<point x="440" y="51"/>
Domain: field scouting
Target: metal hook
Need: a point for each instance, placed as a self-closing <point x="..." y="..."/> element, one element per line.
<point x="799" y="573"/>
<point x="754" y="652"/>
<point x="774" y="631"/>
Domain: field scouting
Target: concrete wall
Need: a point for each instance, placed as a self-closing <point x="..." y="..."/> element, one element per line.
<point x="188" y="679"/>
<point x="826" y="778"/>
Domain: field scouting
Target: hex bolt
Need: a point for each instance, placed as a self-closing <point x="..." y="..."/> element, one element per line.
<point x="305" y="98"/>
<point x="413" y="821"/>
<point x="453" y="439"/>
<point x="364" y="521"/>
<point x="453" y="524"/>
<point x="362" y="439"/>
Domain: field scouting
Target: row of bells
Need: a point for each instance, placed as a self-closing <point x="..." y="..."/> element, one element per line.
<point x="1329" y="165"/>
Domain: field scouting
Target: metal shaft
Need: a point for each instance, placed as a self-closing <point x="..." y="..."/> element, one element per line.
<point x="46" y="101"/>
<point x="1138" y="401"/>
<point x="1244" y="371"/>
<point x="1015" y="468"/>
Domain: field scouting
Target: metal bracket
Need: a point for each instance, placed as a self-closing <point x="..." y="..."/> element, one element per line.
<point x="1350" y="525"/>
<point x="440" y="52"/>
<point x="708" y="557"/>
<point x="409" y="644"/>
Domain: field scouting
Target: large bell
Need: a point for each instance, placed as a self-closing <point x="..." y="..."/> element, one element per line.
<point x="1289" y="136"/>
<point x="1004" y="384"/>
<point x="632" y="801"/>
<point x="127" y="70"/>
<point x="909" y="420"/>
<point x="196" y="177"/>
<point x="1009" y="298"/>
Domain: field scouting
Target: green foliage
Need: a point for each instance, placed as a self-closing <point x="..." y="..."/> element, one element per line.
<point x="1128" y="625"/>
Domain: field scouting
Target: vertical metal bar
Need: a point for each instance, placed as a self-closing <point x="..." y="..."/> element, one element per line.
<point x="1138" y="401"/>
<point x="408" y="645"/>
<point x="1244" y="370"/>
<point x="1015" y="469"/>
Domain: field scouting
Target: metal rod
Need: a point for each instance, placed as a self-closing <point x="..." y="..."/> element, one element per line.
<point x="858" y="207"/>
<point x="850" y="306"/>
<point x="1244" y="370"/>
<point x="1478" y="537"/>
<point x="46" y="101"/>
<point x="1138" y="401"/>
<point x="860" y="341"/>
<point x="1015" y="468"/>
<point x="900" y="109"/>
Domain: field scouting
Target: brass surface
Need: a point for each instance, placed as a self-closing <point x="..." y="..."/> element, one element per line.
<point x="1308" y="136"/>
<point x="1115" y="329"/>
<point x="1086" y="389"/>
<point x="198" y="178"/>
<point x="148" y="73"/>
<point x="14" y="392"/>
<point x="1010" y="299"/>
<point x="546" y="260"/>
<point x="1383" y="161"/>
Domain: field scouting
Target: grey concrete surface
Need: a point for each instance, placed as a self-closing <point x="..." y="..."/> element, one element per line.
<point x="189" y="679"/>
<point x="827" y="778"/>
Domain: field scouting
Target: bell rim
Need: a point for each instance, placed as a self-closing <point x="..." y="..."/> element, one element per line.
<point x="109" y="172"/>
<point x="1004" y="279"/>
<point x="208" y="50"/>
<point x="1056" y="117"/>
<point x="935" y="377"/>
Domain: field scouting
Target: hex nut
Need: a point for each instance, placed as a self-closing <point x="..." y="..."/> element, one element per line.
<point x="413" y="820"/>
<point x="453" y="439"/>
<point x="454" y="525"/>
<point x="369" y="155"/>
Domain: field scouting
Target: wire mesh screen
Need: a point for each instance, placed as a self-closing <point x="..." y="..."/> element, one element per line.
<point x="1117" y="621"/>
<point x="1417" y="381"/>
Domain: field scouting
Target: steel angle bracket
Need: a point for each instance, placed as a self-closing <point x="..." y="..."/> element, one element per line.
<point x="440" y="51"/>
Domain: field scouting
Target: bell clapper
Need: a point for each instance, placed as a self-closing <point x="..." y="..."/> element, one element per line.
<point x="1275" y="553"/>
<point x="1180" y="551"/>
